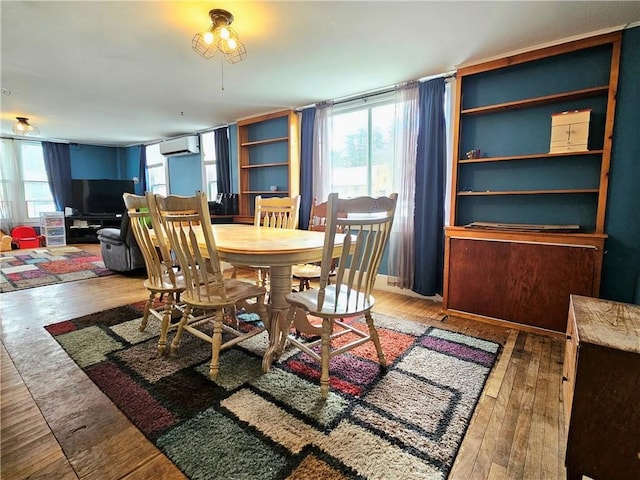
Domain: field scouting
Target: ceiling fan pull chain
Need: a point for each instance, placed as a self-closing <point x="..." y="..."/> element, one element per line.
<point x="222" y="72"/>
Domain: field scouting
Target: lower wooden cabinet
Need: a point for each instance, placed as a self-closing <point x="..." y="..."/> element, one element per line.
<point x="601" y="376"/>
<point x="525" y="278"/>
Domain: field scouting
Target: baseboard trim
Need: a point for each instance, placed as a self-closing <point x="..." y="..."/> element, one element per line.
<point x="381" y="284"/>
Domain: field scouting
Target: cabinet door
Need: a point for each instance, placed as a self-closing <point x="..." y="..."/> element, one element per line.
<point x="604" y="431"/>
<point x="527" y="283"/>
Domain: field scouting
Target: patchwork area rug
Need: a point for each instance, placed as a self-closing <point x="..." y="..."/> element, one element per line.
<point x="403" y="423"/>
<point x="44" y="266"/>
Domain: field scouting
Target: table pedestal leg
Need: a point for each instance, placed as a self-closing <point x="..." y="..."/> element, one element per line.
<point x="280" y="278"/>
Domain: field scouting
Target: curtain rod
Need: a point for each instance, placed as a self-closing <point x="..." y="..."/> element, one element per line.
<point x="380" y="91"/>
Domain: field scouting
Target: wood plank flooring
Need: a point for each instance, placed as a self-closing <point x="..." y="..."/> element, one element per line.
<point x="56" y="424"/>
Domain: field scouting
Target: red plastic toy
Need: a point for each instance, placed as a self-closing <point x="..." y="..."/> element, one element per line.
<point x="25" y="237"/>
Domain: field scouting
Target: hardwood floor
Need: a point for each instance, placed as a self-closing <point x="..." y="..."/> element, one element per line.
<point x="56" y="424"/>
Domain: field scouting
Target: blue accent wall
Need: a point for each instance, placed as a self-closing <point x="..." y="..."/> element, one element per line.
<point x="122" y="163"/>
<point x="185" y="174"/>
<point x="112" y="163"/>
<point x="621" y="267"/>
<point x="132" y="164"/>
<point x="559" y="73"/>
<point x="92" y="162"/>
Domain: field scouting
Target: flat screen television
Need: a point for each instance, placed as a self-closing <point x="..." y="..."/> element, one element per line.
<point x="99" y="197"/>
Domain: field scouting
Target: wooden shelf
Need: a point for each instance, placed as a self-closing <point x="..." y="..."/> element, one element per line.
<point x="264" y="142"/>
<point x="84" y="228"/>
<point x="532" y="102"/>
<point x="573" y="238"/>
<point x="265" y="192"/>
<point x="529" y="156"/>
<point x="531" y="192"/>
<point x="264" y="165"/>
<point x="504" y="269"/>
<point x="268" y="154"/>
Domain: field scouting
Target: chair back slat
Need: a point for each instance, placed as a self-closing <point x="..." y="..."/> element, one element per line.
<point x="277" y="212"/>
<point x="366" y="223"/>
<point x="186" y="223"/>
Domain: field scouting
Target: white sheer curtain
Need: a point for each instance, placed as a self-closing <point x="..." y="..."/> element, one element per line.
<point x="322" y="133"/>
<point x="10" y="192"/>
<point x="401" y="260"/>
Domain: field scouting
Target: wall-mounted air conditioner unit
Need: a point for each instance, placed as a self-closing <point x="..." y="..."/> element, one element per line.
<point x="180" y="146"/>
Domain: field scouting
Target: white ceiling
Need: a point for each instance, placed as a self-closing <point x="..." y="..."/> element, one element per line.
<point x="123" y="72"/>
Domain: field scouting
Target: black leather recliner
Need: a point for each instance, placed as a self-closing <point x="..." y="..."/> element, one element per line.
<point x="120" y="251"/>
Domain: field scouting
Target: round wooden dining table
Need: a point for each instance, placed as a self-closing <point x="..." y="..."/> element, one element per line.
<point x="280" y="249"/>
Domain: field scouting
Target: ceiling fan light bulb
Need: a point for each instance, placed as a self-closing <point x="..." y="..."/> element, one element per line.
<point x="22" y="127"/>
<point x="219" y="38"/>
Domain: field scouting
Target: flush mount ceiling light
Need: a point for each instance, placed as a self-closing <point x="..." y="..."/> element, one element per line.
<point x="220" y="37"/>
<point x="23" y="127"/>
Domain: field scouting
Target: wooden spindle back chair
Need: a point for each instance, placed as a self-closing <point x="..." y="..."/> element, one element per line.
<point x="188" y="227"/>
<point x="277" y="212"/>
<point x="162" y="278"/>
<point x="304" y="273"/>
<point x="366" y="231"/>
<point x="272" y="212"/>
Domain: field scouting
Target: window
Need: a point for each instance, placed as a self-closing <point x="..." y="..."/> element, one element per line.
<point x="156" y="170"/>
<point x="35" y="183"/>
<point x="24" y="183"/>
<point x="209" y="173"/>
<point x="363" y="148"/>
<point x="8" y="184"/>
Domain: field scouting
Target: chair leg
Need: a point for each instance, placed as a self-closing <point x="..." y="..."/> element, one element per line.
<point x="263" y="313"/>
<point x="147" y="308"/>
<point x="265" y="281"/>
<point x="325" y="355"/>
<point x="373" y="333"/>
<point x="216" y="341"/>
<point x="164" y="325"/>
<point x="233" y="316"/>
<point x="183" y="321"/>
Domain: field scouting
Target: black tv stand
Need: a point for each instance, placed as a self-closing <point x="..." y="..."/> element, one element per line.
<point x="84" y="228"/>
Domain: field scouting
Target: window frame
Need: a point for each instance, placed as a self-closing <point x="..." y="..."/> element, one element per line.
<point x="208" y="161"/>
<point x="159" y="161"/>
<point x="15" y="204"/>
<point x="48" y="205"/>
<point x="367" y="103"/>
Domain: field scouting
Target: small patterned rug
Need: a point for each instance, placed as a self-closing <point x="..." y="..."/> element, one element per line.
<point x="403" y="423"/>
<point x="22" y="269"/>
